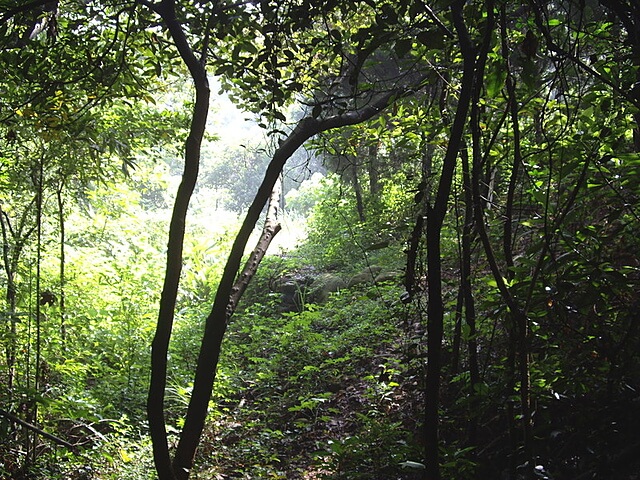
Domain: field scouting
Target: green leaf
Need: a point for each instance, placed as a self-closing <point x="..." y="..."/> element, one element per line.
<point x="495" y="79"/>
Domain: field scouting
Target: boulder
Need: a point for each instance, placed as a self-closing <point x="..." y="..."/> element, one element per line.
<point x="367" y="276"/>
<point x="323" y="285"/>
<point x="390" y="276"/>
<point x="293" y="289"/>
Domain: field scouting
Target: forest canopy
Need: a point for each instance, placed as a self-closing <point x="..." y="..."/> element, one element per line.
<point x="300" y="239"/>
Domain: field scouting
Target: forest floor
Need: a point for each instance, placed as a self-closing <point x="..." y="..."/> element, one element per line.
<point x="336" y="392"/>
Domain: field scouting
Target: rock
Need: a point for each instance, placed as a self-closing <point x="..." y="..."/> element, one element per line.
<point x="324" y="285"/>
<point x="389" y="277"/>
<point x="300" y="287"/>
<point x="293" y="288"/>
<point x="367" y="276"/>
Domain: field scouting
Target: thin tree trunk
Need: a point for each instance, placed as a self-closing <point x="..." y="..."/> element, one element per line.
<point x="374" y="174"/>
<point x="521" y="322"/>
<point x="10" y="296"/>
<point x="517" y="314"/>
<point x="435" y="219"/>
<point x="456" y="344"/>
<point x="412" y="255"/>
<point x="160" y="345"/>
<point x="271" y="228"/>
<point x="39" y="315"/>
<point x="469" y="303"/>
<point x="358" y="191"/>
<point x="39" y="431"/>
<point x="507" y="237"/>
<point x="11" y="258"/>
<point x="422" y="201"/>
<point x="63" y="326"/>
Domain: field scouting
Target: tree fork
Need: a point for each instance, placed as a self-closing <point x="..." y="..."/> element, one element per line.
<point x="271" y="228"/>
<point x="216" y="322"/>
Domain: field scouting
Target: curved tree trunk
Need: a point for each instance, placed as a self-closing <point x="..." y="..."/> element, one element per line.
<point x="160" y="345"/>
<point x="216" y="323"/>
<point x="230" y="288"/>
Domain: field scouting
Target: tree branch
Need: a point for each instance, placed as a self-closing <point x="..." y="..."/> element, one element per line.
<point x="39" y="431"/>
<point x="23" y="8"/>
<point x="271" y="228"/>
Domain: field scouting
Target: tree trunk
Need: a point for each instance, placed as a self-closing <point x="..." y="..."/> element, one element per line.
<point x="435" y="316"/>
<point x="13" y="235"/>
<point x="160" y="345"/>
<point x="519" y="317"/>
<point x="271" y="228"/>
<point x="355" y="181"/>
<point x="216" y="322"/>
<point x="412" y="255"/>
<point x="456" y="343"/>
<point x="61" y="304"/>
<point x="435" y="219"/>
<point x="10" y="296"/>
<point x="37" y="430"/>
<point x="374" y="174"/>
<point x="469" y="303"/>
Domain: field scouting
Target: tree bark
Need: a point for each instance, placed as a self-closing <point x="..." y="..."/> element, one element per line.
<point x="358" y="191"/>
<point x="62" y="274"/>
<point x="412" y="255"/>
<point x="269" y="231"/>
<point x="10" y="296"/>
<point x="520" y="322"/>
<point x="11" y="258"/>
<point x="374" y="173"/>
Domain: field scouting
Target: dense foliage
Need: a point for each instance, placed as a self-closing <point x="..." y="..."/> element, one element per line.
<point x="463" y="303"/>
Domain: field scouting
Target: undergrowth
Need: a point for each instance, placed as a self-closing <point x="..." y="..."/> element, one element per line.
<point x="320" y="393"/>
